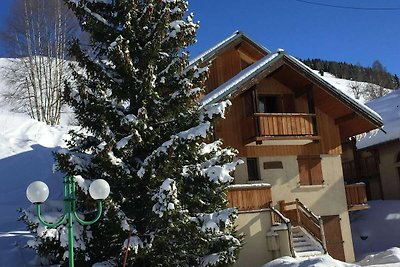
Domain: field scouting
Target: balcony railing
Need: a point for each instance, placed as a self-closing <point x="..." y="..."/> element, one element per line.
<point x="356" y="196"/>
<point x="249" y="196"/>
<point x="279" y="125"/>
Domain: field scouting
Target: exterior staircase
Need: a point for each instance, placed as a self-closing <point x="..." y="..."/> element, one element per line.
<point x="304" y="245"/>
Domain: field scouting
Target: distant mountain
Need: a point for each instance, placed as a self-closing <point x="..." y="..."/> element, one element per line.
<point x="375" y="74"/>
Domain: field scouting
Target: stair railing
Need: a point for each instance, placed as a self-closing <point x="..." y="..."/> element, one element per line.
<point x="277" y="218"/>
<point x="311" y="222"/>
<point x="304" y="217"/>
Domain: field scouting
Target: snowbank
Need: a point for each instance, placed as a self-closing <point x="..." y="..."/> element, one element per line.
<point x="321" y="261"/>
<point x="390" y="256"/>
<point x="26" y="155"/>
<point x="376" y="229"/>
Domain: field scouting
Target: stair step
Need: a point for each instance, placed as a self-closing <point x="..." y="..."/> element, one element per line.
<point x="299" y="240"/>
<point x="308" y="247"/>
<point x="307" y="254"/>
<point x="304" y="246"/>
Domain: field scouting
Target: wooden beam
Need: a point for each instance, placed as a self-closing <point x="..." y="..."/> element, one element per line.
<point x="245" y="57"/>
<point x="255" y="80"/>
<point x="345" y="118"/>
<point x="301" y="91"/>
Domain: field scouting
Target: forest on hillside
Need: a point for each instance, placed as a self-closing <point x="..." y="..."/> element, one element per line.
<point x="376" y="74"/>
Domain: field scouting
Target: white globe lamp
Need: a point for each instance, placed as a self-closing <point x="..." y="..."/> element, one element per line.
<point x="99" y="189"/>
<point x="37" y="192"/>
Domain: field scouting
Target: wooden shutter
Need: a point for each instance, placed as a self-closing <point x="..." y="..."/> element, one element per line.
<point x="315" y="170"/>
<point x="249" y="102"/>
<point x="310" y="170"/>
<point x="303" y="171"/>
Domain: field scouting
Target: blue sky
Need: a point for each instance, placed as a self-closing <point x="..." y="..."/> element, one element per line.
<point x="302" y="29"/>
<point x="305" y="30"/>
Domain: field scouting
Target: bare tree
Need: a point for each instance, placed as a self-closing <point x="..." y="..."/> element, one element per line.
<point x="357" y="89"/>
<point x="373" y="91"/>
<point x="37" y="35"/>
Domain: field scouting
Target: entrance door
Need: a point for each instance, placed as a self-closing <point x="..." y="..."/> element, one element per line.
<point x="333" y="236"/>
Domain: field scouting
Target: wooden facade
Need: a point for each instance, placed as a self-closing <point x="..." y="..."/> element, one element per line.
<point x="250" y="198"/>
<point x="356" y="196"/>
<point x="236" y="129"/>
<point x="363" y="166"/>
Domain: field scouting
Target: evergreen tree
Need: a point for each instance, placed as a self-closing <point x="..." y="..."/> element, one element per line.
<point x="143" y="130"/>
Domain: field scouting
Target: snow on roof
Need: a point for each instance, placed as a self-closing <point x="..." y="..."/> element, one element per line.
<point x="238" y="80"/>
<point x="252" y="185"/>
<point x="349" y="99"/>
<point x="213" y="50"/>
<point x="389" y="108"/>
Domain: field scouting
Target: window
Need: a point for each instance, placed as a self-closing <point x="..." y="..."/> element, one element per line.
<point x="310" y="170"/>
<point x="252" y="169"/>
<point x="276" y="103"/>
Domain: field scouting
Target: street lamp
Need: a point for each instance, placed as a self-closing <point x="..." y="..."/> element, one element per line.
<point x="37" y="193"/>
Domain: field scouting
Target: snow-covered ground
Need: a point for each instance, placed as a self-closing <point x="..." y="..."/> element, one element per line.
<point x="343" y="85"/>
<point x="26" y="148"/>
<point x="376" y="239"/>
<point x="377" y="228"/>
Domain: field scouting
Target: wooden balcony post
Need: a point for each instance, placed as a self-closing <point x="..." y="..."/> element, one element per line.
<point x="282" y="206"/>
<point x="298" y="211"/>
<point x="323" y="239"/>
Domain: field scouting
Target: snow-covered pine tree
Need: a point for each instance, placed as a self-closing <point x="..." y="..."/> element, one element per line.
<point x="143" y="130"/>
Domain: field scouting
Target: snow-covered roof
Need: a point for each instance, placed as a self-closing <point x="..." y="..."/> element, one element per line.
<point x="240" y="79"/>
<point x="388" y="107"/>
<point x="208" y="54"/>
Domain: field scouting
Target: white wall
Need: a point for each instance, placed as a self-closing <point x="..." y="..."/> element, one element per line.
<point x="326" y="199"/>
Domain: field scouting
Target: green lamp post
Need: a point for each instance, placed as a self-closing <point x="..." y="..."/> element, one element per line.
<point x="37" y="193"/>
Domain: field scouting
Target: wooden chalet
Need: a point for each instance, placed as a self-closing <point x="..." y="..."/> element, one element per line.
<point x="374" y="159"/>
<point x="288" y="125"/>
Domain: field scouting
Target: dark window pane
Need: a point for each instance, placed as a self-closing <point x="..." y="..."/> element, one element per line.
<point x="252" y="169"/>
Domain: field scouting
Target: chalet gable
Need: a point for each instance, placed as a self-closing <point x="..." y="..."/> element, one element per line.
<point x="351" y="116"/>
<point x="247" y="47"/>
<point x="227" y="58"/>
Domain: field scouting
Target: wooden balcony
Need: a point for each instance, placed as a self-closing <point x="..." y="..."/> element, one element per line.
<point x="249" y="196"/>
<point x="280" y="126"/>
<point x="356" y="196"/>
